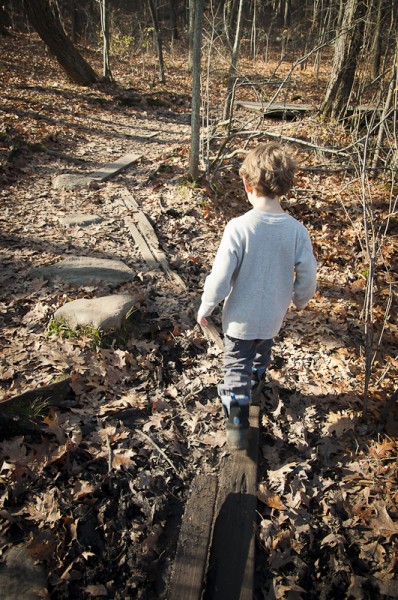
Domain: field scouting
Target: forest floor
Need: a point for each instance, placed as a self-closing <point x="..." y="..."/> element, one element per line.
<point x="90" y="496"/>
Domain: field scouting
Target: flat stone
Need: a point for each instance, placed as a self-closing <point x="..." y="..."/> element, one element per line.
<point x="20" y="577"/>
<point x="80" y="220"/>
<point x="106" y="313"/>
<point x="68" y="181"/>
<point x="82" y="270"/>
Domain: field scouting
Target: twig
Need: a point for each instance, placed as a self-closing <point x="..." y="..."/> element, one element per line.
<point x="110" y="453"/>
<point x="286" y="138"/>
<point x="212" y="334"/>
<point x="161" y="452"/>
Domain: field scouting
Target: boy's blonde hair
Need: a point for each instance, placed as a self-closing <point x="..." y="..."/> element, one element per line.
<point x="269" y="169"/>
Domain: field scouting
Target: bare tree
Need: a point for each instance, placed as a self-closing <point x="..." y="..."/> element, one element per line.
<point x="4" y="20"/>
<point x="234" y="62"/>
<point x="196" y="96"/>
<point x="389" y="108"/>
<point x="104" y="10"/>
<point x="158" y="38"/>
<point x="50" y="29"/>
<point x="346" y="52"/>
<point x="173" y="20"/>
<point x="191" y="31"/>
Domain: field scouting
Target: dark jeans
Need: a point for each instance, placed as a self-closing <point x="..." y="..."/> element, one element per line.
<point x="241" y="357"/>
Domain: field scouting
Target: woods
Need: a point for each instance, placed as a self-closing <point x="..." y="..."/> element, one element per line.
<point x="123" y="126"/>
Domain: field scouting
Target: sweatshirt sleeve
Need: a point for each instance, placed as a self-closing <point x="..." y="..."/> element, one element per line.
<point x="305" y="268"/>
<point x="219" y="283"/>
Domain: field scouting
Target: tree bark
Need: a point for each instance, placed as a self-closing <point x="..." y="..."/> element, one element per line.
<point x="376" y="45"/>
<point x="173" y="21"/>
<point x="4" y="20"/>
<point x="392" y="90"/>
<point x="347" y="47"/>
<point x="191" y="21"/>
<point x="196" y="67"/>
<point x="42" y="19"/>
<point x="234" y="62"/>
<point x="104" y="8"/>
<point x="158" y="39"/>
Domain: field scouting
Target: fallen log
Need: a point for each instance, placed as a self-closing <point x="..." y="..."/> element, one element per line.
<point x="231" y="566"/>
<point x="194" y="539"/>
<point x="21" y="414"/>
<point x="216" y="546"/>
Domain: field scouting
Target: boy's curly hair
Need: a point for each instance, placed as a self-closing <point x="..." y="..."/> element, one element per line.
<point x="269" y="169"/>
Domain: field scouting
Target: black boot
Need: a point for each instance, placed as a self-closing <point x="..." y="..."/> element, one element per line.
<point x="256" y="388"/>
<point x="237" y="425"/>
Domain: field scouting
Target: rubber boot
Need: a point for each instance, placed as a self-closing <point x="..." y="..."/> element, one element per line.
<point x="237" y="423"/>
<point x="256" y="388"/>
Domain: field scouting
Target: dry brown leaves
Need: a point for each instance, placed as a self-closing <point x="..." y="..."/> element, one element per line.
<point x="95" y="494"/>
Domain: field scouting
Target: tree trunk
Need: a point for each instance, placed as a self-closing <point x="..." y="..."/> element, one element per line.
<point x="104" y="8"/>
<point x="347" y="47"/>
<point x="5" y="20"/>
<point x="230" y="11"/>
<point x="191" y="21"/>
<point x="376" y="43"/>
<point x="42" y="19"/>
<point x="74" y="16"/>
<point x="173" y="21"/>
<point x="392" y="90"/>
<point x="196" y="67"/>
<point x="234" y="62"/>
<point x="158" y="39"/>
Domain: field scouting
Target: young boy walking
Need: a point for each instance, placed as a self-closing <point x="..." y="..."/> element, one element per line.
<point x="265" y="261"/>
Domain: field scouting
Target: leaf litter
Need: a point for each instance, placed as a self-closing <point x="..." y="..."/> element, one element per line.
<point x="98" y="492"/>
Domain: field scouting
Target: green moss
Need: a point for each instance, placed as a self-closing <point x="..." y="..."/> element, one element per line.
<point x="60" y="328"/>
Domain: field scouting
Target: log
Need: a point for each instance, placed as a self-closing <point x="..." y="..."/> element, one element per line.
<point x="231" y="568"/>
<point x="212" y="334"/>
<point x="277" y="108"/>
<point x="194" y="539"/>
<point x="19" y="415"/>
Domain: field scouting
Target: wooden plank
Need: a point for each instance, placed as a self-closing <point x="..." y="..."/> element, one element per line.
<point x="231" y="569"/>
<point x="150" y="237"/>
<point x="212" y="334"/>
<point x="114" y="168"/>
<point x="292" y="108"/>
<point x="194" y="541"/>
<point x="276" y="107"/>
<point x="142" y="245"/>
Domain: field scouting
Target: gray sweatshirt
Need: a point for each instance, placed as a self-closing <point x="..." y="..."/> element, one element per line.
<point x="263" y="263"/>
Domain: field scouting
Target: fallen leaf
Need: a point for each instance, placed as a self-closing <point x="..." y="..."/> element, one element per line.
<point x="96" y="590"/>
<point x="269" y="498"/>
<point x="383" y="523"/>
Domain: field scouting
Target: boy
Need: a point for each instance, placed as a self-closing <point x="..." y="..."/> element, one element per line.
<point x="265" y="261"/>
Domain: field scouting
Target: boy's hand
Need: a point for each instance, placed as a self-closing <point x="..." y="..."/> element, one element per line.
<point x="203" y="322"/>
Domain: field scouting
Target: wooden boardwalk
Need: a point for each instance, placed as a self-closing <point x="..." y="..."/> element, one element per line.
<point x="289" y="109"/>
<point x="215" y="553"/>
<point x="277" y="109"/>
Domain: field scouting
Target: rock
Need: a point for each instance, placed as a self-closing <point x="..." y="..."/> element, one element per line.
<point x="79" y="219"/>
<point x="68" y="181"/>
<point x="106" y="313"/>
<point x="82" y="270"/>
<point x="20" y="577"/>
